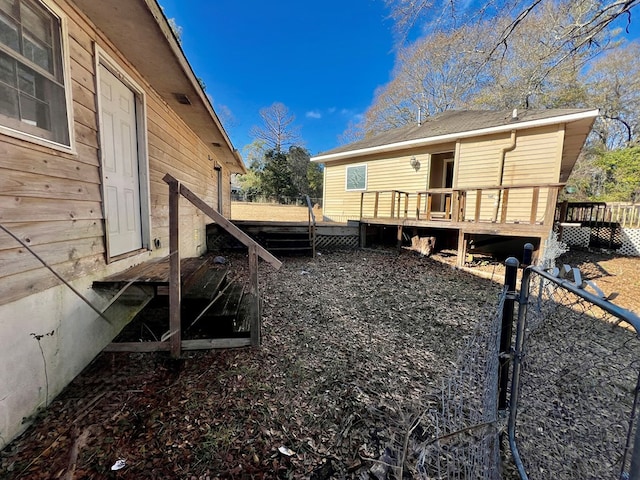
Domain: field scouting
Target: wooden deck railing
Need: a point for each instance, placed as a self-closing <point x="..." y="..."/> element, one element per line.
<point x="593" y="213"/>
<point x="454" y="204"/>
<point x="176" y="189"/>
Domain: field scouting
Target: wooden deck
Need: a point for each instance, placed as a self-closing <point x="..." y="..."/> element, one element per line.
<point x="155" y="273"/>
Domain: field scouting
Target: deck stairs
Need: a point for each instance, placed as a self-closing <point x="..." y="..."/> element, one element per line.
<point x="213" y="305"/>
<point x="282" y="238"/>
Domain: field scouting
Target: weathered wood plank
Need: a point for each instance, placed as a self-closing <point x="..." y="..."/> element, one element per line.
<point x="14" y="182"/>
<point x="141" y="347"/>
<point x="253" y="310"/>
<point x="82" y="69"/>
<point x="215" y="343"/>
<point x="85" y="116"/>
<point x="23" y="284"/>
<point x="40" y="233"/>
<point x="86" y="135"/>
<point x="82" y="96"/>
<point x="24" y="160"/>
<point x="22" y="209"/>
<point x="18" y="260"/>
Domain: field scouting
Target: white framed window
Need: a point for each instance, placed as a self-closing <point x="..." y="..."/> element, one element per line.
<point x="33" y="97"/>
<point x="356" y="177"/>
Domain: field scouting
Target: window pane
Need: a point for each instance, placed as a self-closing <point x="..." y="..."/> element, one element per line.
<point x="8" y="101"/>
<point x="9" y="33"/>
<point x="357" y="177"/>
<point x="38" y="25"/>
<point x="27" y="80"/>
<point x="7" y="70"/>
<point x="37" y="52"/>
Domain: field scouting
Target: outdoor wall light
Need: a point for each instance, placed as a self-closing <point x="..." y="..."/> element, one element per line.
<point x="415" y="163"/>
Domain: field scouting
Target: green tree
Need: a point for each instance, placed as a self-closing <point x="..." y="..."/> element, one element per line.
<point x="621" y="169"/>
<point x="315" y="177"/>
<point x="276" y="177"/>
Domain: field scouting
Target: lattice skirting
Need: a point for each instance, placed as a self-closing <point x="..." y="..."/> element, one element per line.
<point x="330" y="242"/>
<point x="582" y="237"/>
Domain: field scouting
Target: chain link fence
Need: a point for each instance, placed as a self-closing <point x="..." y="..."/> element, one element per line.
<point x="575" y="381"/>
<point x="460" y="432"/>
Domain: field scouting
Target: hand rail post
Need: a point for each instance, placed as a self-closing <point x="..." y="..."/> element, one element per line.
<point x="406" y="205"/>
<point x="254" y="307"/>
<point x="361" y="203"/>
<point x="175" y="295"/>
<point x="418" y="205"/>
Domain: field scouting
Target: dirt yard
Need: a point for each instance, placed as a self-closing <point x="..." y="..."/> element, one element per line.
<point x="353" y="342"/>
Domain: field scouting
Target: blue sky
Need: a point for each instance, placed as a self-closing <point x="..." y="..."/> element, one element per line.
<point x="322" y="59"/>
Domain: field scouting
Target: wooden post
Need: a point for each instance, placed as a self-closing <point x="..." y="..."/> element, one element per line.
<point x="476" y="217"/>
<point x="418" y="203"/>
<point x="175" y="340"/>
<point x="550" y="210"/>
<point x="429" y="202"/>
<point x="399" y="237"/>
<point x="363" y="235"/>
<point x="406" y="205"/>
<point x="505" y="205"/>
<point x="361" y="203"/>
<point x="447" y="207"/>
<point x="254" y="307"/>
<point x="534" y="205"/>
<point x="462" y="249"/>
<point x="455" y="205"/>
<point x="393" y="203"/>
<point x="375" y="205"/>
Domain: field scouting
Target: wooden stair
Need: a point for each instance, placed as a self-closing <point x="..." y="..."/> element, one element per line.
<point x="288" y="238"/>
<point x="210" y="307"/>
<point x="210" y="304"/>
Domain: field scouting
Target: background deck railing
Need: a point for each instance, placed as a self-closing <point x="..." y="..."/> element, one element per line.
<point x="593" y="213"/>
<point x="496" y="204"/>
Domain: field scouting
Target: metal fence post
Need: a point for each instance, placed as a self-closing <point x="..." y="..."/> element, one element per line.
<point x="510" y="276"/>
<point x="527" y="256"/>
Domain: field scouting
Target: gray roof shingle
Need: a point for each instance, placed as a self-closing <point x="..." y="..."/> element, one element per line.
<point x="451" y="122"/>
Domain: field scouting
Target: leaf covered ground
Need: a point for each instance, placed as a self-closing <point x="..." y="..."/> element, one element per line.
<point x="354" y="343"/>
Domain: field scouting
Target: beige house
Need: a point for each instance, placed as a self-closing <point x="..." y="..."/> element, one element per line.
<point x="97" y="104"/>
<point x="468" y="173"/>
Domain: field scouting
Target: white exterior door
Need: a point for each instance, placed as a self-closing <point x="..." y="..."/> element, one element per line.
<point x="120" y="164"/>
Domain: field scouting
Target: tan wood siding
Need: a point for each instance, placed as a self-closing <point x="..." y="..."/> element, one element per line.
<point x="53" y="200"/>
<point x="382" y="174"/>
<point x="534" y="160"/>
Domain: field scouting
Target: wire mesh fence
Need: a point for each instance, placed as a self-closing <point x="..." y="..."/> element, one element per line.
<point x="575" y="382"/>
<point x="460" y="432"/>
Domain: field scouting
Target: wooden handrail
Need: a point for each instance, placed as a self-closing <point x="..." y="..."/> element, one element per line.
<point x="225" y="223"/>
<point x="312" y="226"/>
<point x="175" y="190"/>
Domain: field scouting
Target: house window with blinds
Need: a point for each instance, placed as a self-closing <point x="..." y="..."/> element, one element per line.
<point x="32" y="93"/>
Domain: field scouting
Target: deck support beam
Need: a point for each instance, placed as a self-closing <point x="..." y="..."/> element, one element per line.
<point x="462" y="248"/>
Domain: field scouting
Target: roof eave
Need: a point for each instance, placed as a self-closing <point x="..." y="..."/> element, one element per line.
<point x="156" y="10"/>
<point x="421" y="142"/>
